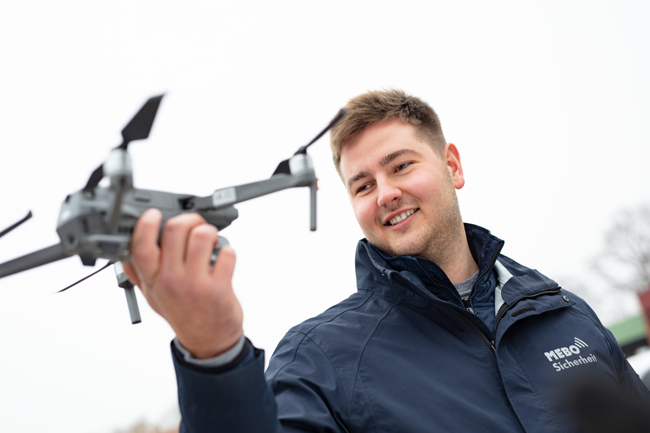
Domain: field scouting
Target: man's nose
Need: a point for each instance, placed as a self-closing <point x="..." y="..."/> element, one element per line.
<point x="388" y="193"/>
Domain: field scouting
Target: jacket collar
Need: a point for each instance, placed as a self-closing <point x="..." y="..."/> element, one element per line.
<point x="410" y="276"/>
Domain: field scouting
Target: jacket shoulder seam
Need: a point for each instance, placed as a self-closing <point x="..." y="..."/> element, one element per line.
<point x="365" y="344"/>
<point x="372" y="409"/>
<point x="305" y="336"/>
<point x="315" y="325"/>
<point x="598" y="325"/>
<point x="384" y="295"/>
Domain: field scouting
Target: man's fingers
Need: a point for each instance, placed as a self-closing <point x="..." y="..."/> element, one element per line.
<point x="224" y="268"/>
<point x="201" y="243"/>
<point x="131" y="274"/>
<point x="145" y="253"/>
<point x="175" y="239"/>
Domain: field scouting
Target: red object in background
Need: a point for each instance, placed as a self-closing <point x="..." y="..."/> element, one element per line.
<point x="644" y="299"/>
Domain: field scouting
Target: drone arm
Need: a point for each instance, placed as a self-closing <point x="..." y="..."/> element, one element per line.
<point x="225" y="197"/>
<point x="32" y="260"/>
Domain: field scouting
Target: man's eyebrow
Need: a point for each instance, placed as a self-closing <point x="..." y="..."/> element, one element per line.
<point x="356" y="177"/>
<point x="392" y="156"/>
<point x="383" y="162"/>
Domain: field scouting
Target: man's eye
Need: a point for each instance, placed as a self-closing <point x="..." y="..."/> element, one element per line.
<point x="362" y="188"/>
<point x="402" y="166"/>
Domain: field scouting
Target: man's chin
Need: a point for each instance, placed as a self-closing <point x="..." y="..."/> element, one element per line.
<point x="403" y="249"/>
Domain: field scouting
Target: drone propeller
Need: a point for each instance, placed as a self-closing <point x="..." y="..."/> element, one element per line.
<point x="342" y="112"/>
<point x="283" y="167"/>
<point x="140" y="126"/>
<point x="137" y="129"/>
<point x="87" y="276"/>
<point x="13" y="226"/>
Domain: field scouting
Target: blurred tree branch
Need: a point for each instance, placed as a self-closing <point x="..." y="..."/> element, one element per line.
<point x="625" y="263"/>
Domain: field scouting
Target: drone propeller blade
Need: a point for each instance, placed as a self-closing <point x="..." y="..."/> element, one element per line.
<point x="282" y="168"/>
<point x="140" y="126"/>
<point x="94" y="179"/>
<point x="32" y="260"/>
<point x="10" y="228"/>
<point x="137" y="129"/>
<point x="87" y="276"/>
<point x="334" y="121"/>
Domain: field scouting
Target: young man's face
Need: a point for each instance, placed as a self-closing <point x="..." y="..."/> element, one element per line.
<point x="402" y="191"/>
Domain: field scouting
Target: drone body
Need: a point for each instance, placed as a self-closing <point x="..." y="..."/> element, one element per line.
<point x="84" y="231"/>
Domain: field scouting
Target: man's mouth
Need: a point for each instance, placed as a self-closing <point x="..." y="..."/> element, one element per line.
<point x="401" y="217"/>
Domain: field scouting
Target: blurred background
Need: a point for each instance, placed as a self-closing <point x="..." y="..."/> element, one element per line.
<point x="547" y="102"/>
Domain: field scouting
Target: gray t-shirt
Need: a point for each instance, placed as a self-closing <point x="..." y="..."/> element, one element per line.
<point x="464" y="288"/>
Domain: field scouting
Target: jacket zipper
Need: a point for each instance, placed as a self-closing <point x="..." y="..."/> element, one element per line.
<point x="472" y="325"/>
<point x="466" y="303"/>
<point x="502" y="311"/>
<point x="489" y="343"/>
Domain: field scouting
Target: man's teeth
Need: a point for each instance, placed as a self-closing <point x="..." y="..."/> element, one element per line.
<point x="401" y="217"/>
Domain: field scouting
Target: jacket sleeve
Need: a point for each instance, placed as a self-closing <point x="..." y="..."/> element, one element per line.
<point x="302" y="393"/>
<point x="308" y="390"/>
<point x="630" y="382"/>
<point x="234" y="401"/>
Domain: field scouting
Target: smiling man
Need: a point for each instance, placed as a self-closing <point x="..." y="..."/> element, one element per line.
<point x="402" y="191"/>
<point x="443" y="334"/>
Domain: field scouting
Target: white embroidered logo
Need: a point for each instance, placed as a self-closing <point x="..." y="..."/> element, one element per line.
<point x="569" y="352"/>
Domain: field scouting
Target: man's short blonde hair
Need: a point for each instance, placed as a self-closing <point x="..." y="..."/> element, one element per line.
<point x="380" y="106"/>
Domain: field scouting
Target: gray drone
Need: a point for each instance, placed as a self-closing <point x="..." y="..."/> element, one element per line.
<point x="97" y="222"/>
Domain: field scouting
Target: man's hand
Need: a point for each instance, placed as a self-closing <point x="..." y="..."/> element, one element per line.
<point x="178" y="282"/>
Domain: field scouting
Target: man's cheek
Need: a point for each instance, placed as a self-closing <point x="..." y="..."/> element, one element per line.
<point x="367" y="221"/>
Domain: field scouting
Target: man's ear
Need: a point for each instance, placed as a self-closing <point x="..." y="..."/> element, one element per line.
<point x="452" y="159"/>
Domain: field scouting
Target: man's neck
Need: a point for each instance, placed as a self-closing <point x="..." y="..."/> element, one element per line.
<point x="462" y="269"/>
<point x="458" y="263"/>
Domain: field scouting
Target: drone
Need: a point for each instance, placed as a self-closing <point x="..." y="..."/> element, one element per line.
<point x="97" y="222"/>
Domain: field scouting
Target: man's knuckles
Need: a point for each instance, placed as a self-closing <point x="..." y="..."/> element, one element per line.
<point x="204" y="234"/>
<point x="183" y="223"/>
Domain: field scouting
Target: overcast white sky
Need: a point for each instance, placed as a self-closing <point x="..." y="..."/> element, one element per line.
<point x="548" y="102"/>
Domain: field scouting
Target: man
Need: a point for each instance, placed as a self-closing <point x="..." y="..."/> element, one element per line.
<point x="443" y="334"/>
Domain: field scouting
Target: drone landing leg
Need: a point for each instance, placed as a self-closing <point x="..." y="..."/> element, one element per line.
<point x="129" y="291"/>
<point x="132" y="302"/>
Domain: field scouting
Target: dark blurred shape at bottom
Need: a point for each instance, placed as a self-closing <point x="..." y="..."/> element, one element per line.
<point x="601" y="408"/>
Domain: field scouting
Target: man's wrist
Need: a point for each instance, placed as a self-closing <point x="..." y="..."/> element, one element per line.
<point x="218" y="361"/>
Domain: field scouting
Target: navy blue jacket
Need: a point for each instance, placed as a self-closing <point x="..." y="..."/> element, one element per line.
<point x="405" y="354"/>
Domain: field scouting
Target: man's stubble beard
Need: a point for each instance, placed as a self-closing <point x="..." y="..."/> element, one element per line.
<point x="445" y="239"/>
<point x="442" y="241"/>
